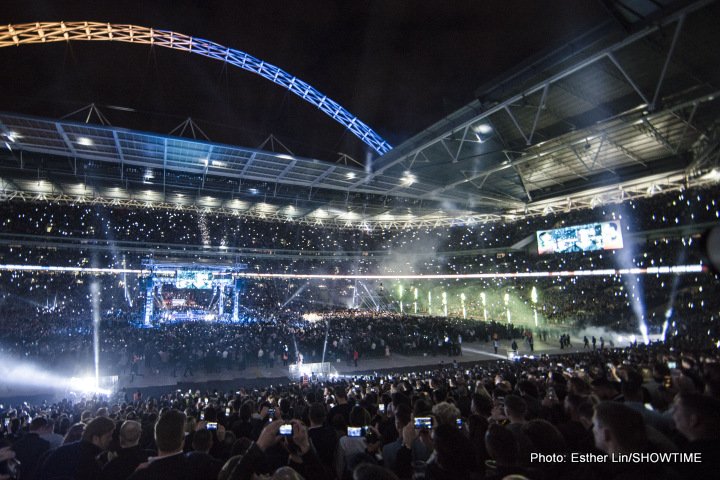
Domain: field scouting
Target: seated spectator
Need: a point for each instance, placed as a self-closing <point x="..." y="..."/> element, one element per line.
<point x="130" y="454"/>
<point x="619" y="429"/>
<point x="348" y="446"/>
<point x="445" y="414"/>
<point x="170" y="462"/>
<point x="342" y="408"/>
<point x="77" y="459"/>
<point x="368" y="471"/>
<point x="48" y="433"/>
<point x="30" y="448"/>
<point x="697" y="418"/>
<point x="302" y="459"/>
<point x="323" y="437"/>
<point x="633" y="397"/>
<point x="200" y="459"/>
<point x="74" y="433"/>
<point x="502" y="448"/>
<point x="515" y="411"/>
<point x="390" y="450"/>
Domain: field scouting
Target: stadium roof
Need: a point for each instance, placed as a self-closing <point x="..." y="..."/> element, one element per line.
<point x="616" y="113"/>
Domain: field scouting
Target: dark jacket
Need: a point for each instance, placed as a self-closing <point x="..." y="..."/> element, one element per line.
<point x="122" y="466"/>
<point x="208" y="466"/>
<point x="325" y="441"/>
<point x="173" y="467"/>
<point x="75" y="460"/>
<point x="310" y="468"/>
<point x="28" y="451"/>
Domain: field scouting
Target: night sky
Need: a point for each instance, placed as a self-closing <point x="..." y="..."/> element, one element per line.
<point x="399" y="66"/>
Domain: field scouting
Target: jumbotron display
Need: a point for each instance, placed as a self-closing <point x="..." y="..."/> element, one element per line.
<point x="193" y="279"/>
<point x="581" y="238"/>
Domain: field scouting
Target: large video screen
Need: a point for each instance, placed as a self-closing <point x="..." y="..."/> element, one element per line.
<point x="191" y="279"/>
<point x="581" y="238"/>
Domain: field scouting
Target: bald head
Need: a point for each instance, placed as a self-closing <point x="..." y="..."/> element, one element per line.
<point x="130" y="432"/>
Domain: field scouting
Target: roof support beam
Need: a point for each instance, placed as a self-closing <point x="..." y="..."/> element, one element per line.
<point x="164" y="164"/>
<point x="457" y="153"/>
<point x="632" y="156"/>
<point x="323" y="175"/>
<point x="287" y="169"/>
<point x="68" y="143"/>
<point x="659" y="137"/>
<point x="207" y="165"/>
<point x="452" y="156"/>
<point x="517" y="125"/>
<point x="678" y="29"/>
<point x="597" y="154"/>
<point x="540" y="108"/>
<point x="248" y="164"/>
<point x="120" y="154"/>
<point x="688" y="124"/>
<point x="395" y="156"/>
<point x="629" y="80"/>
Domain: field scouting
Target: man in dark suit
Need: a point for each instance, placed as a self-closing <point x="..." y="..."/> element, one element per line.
<point x="130" y="454"/>
<point x="170" y="463"/>
<point x="30" y="447"/>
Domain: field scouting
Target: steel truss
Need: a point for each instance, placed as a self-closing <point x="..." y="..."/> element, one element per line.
<point x="46" y="32"/>
<point x="450" y="139"/>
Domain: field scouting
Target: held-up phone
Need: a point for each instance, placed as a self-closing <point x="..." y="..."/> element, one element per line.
<point x="355" y="431"/>
<point x="211" y="426"/>
<point x="425" y="423"/>
<point x="672" y="365"/>
<point x="381" y="408"/>
<point x="271" y="413"/>
<point x="459" y="423"/>
<point x="286" y="430"/>
<point x="227" y="412"/>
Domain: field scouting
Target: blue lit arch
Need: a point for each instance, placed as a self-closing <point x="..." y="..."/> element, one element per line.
<point x="44" y="32"/>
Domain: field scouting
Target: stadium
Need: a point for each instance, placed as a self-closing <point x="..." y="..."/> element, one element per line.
<point x="381" y="242"/>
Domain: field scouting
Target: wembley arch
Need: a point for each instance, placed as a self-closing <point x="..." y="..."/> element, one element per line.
<point x="45" y="32"/>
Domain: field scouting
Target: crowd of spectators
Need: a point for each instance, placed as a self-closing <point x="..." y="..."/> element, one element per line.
<point x="196" y="348"/>
<point x="488" y="419"/>
<point x="590" y="415"/>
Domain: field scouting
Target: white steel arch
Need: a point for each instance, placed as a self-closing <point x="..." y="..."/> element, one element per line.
<point x="45" y="32"/>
